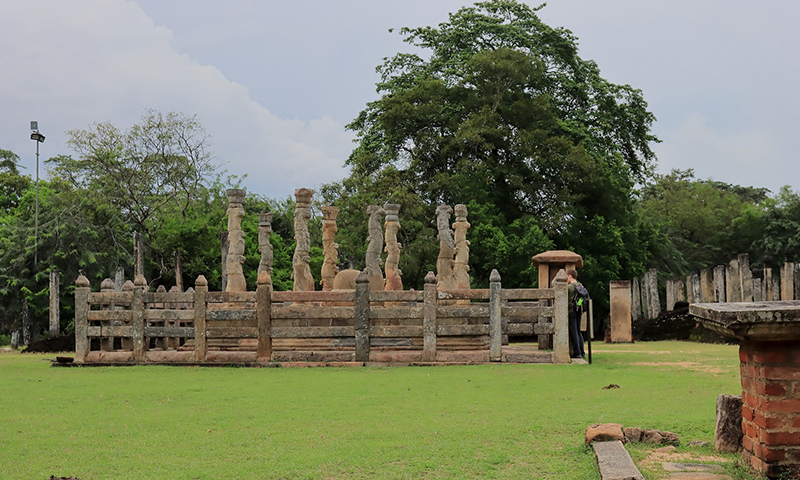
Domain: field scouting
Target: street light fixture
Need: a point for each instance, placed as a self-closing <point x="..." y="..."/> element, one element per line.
<point x="39" y="138"/>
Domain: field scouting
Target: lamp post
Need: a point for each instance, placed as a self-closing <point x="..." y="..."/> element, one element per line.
<point x="39" y="138"/>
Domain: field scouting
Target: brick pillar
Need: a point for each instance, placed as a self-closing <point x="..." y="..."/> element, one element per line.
<point x="771" y="405"/>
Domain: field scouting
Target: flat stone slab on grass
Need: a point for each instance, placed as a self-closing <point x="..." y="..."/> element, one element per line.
<point x="698" y="476"/>
<point x="690" y="467"/>
<point x="615" y="462"/>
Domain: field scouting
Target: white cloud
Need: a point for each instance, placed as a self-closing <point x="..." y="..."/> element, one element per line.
<point x="70" y="64"/>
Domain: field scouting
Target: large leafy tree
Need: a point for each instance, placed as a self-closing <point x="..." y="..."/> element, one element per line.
<point x="501" y="113"/>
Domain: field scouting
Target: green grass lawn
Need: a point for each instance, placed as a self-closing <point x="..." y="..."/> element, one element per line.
<point x="487" y="421"/>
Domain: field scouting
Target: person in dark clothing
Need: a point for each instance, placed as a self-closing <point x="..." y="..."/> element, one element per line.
<point x="575" y="337"/>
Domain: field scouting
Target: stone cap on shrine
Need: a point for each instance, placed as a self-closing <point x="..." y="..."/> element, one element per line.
<point x="760" y="321"/>
<point x="558" y="256"/>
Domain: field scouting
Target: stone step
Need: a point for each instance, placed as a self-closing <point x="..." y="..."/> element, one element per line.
<point x="615" y="462"/>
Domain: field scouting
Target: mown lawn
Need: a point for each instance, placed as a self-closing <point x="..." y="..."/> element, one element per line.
<point x="486" y="421"/>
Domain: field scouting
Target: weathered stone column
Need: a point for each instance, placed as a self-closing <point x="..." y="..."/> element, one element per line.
<point x="769" y="294"/>
<point x="680" y="293"/>
<point x="620" y="293"/>
<point x="728" y="431"/>
<point x="733" y="281"/>
<point x="495" y="318"/>
<point x="55" y="303"/>
<point x="362" y="313"/>
<point x="652" y="287"/>
<point x="303" y="280"/>
<point x="127" y="342"/>
<point x="330" y="252"/>
<point x="119" y="279"/>
<point x="560" y="319"/>
<point x="707" y="285"/>
<point x="106" y="343"/>
<point x="264" y="316"/>
<point x="745" y="278"/>
<point x="200" y="344"/>
<point x="138" y="267"/>
<point x="233" y="264"/>
<point x="670" y="287"/>
<point x="138" y="321"/>
<point x="697" y="293"/>
<point x="636" y="301"/>
<point x="461" y="265"/>
<point x="82" y="290"/>
<point x="223" y="243"/>
<point x="264" y="245"/>
<point x="719" y="284"/>
<point x="445" y="276"/>
<point x="430" y="299"/>
<point x="758" y="290"/>
<point x="689" y="290"/>
<point x="394" y="280"/>
<point x="374" y="248"/>
<point x="787" y="281"/>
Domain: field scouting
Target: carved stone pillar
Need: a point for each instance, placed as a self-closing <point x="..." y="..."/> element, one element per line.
<point x="374" y="248"/>
<point x="393" y="247"/>
<point x="264" y="246"/>
<point x="445" y="277"/>
<point x="233" y="265"/>
<point x="303" y="281"/>
<point x="461" y="267"/>
<point x="330" y="266"/>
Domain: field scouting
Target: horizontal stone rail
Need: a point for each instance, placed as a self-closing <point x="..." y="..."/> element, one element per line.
<point x="262" y="326"/>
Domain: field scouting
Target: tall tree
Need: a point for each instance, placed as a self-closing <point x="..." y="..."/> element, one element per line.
<point x="502" y="113"/>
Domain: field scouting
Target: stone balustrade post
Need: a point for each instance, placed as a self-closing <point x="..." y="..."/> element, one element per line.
<point x="82" y="345"/>
<point x="430" y="298"/>
<point x="362" y="317"/>
<point x="200" y="306"/>
<point x="560" y="319"/>
<point x="55" y="303"/>
<point x="787" y="281"/>
<point x="495" y="318"/>
<point x="264" y="315"/>
<point x="138" y="323"/>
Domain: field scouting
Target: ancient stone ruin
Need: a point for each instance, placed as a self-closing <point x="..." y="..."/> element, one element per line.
<point x="303" y="281"/>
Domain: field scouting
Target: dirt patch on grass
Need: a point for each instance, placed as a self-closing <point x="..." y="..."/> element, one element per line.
<point x="654" y="460"/>
<point x="685" y="366"/>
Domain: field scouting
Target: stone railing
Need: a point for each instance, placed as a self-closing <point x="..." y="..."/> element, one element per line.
<point x="136" y="326"/>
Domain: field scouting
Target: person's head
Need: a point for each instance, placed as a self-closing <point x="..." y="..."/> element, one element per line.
<point x="572" y="274"/>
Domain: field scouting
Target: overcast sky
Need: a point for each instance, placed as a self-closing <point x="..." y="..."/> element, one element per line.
<point x="275" y="82"/>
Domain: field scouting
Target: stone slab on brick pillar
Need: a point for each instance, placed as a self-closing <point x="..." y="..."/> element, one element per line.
<point x="769" y="341"/>
<point x="620" y="293"/>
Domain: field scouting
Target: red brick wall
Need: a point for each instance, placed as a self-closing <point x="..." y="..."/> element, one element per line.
<point x="771" y="405"/>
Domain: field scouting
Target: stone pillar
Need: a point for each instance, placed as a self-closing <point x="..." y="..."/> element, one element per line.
<point x="495" y="318"/>
<point x="758" y="290"/>
<point x="55" y="303"/>
<point x="264" y="316"/>
<point x="694" y="279"/>
<point x="652" y="287"/>
<point x="138" y="320"/>
<point x="681" y="291"/>
<point x="119" y="279"/>
<point x="787" y="281"/>
<point x="767" y="281"/>
<point x="82" y="345"/>
<point x="461" y="266"/>
<point x="636" y="301"/>
<point x="645" y="296"/>
<point x="430" y="299"/>
<point x="235" y="259"/>
<point x="200" y="343"/>
<point x="670" y="286"/>
<point x="733" y="281"/>
<point x="127" y="342"/>
<point x="745" y="278"/>
<point x="303" y="281"/>
<point x="560" y="319"/>
<point x="689" y="291"/>
<point x="374" y="248"/>
<point x="796" y="281"/>
<point x="445" y="276"/>
<point x="264" y="245"/>
<point x="719" y="284"/>
<point x="707" y="286"/>
<point x="27" y="325"/>
<point x="362" y="314"/>
<point x="776" y="289"/>
<point x="391" y="226"/>
<point x="330" y="264"/>
<point x="138" y="267"/>
<point x="620" y="294"/>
